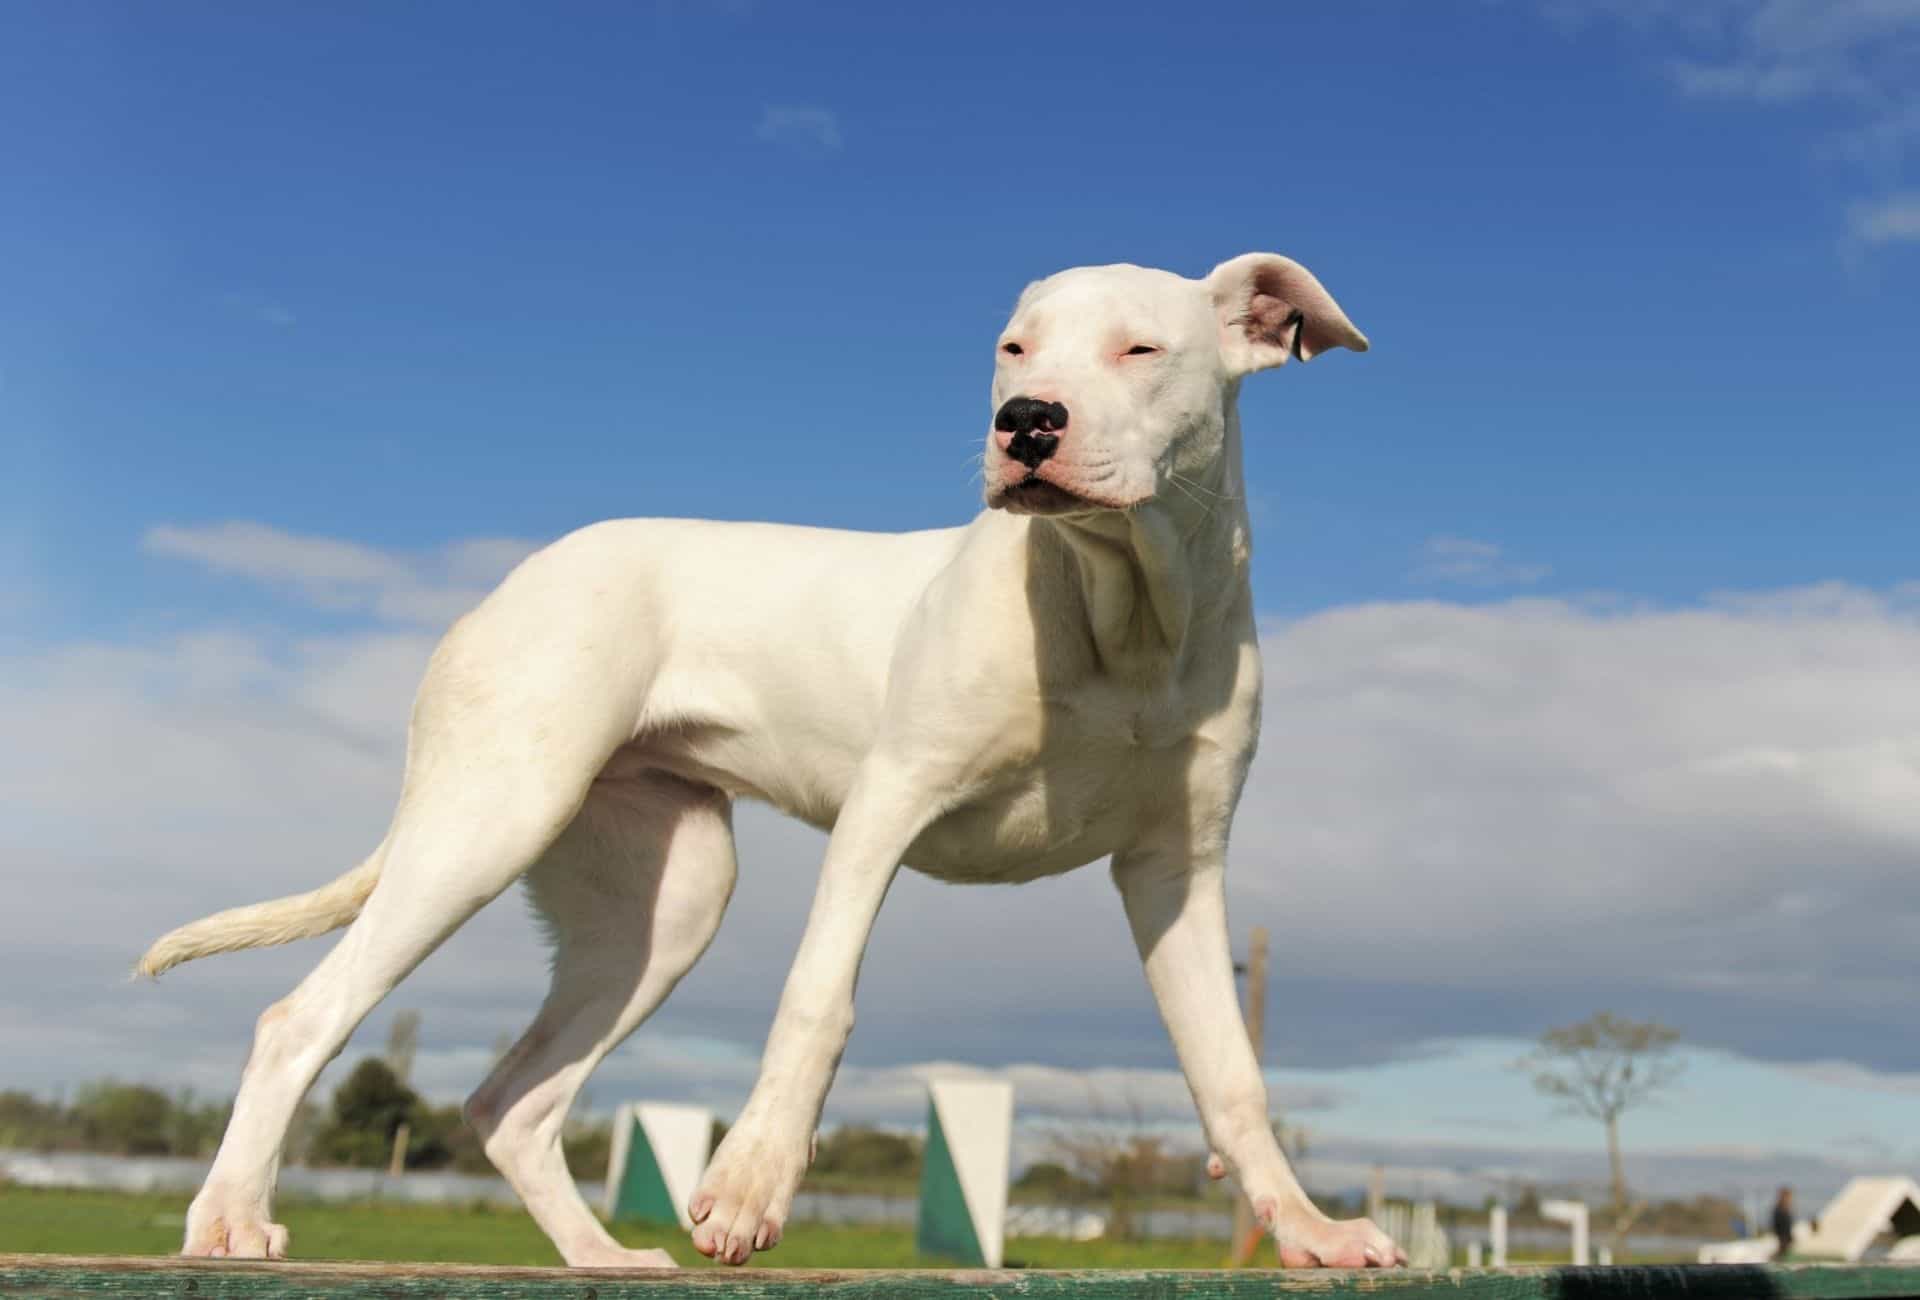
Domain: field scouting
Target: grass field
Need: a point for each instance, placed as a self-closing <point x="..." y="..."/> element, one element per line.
<point x="109" y="1223"/>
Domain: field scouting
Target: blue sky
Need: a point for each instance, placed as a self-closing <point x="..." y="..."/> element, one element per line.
<point x="310" y="319"/>
<point x="345" y="269"/>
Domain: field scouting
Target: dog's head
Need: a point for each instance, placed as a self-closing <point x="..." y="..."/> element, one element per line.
<point x="1113" y="382"/>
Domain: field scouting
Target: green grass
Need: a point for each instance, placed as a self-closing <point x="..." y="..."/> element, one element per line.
<point x="35" y="1221"/>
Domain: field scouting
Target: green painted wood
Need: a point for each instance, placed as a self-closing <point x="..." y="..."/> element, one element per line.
<point x="946" y="1229"/>
<point x="64" y="1276"/>
<point x="643" y="1195"/>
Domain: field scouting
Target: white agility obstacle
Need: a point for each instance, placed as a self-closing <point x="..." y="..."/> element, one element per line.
<point x="1865" y="1208"/>
<point x="659" y="1152"/>
<point x="1574" y="1215"/>
<point x="963" y="1177"/>
<point x="1847" y="1227"/>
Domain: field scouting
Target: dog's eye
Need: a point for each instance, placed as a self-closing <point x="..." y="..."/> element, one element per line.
<point x="1141" y="350"/>
<point x="1012" y="349"/>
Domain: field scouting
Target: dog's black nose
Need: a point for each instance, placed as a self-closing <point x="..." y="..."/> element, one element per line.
<point x="1031" y="415"/>
<point x="1035" y="426"/>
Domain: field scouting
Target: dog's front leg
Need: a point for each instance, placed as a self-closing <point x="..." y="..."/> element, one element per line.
<point x="748" y="1189"/>
<point x="1176" y="907"/>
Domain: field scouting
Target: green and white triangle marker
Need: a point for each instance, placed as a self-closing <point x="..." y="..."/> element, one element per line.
<point x="963" y="1177"/>
<point x="659" y="1153"/>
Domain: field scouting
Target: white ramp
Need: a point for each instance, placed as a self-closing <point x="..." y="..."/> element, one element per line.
<point x="1864" y="1209"/>
<point x="659" y="1152"/>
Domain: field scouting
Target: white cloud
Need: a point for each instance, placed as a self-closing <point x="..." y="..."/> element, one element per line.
<point x="1121" y="1096"/>
<point x="1861" y="55"/>
<point x="1657" y="801"/>
<point x="1773" y="50"/>
<point x="1766" y="82"/>
<point x="1472" y="563"/>
<point x="432" y="588"/>
<point x="1887" y="221"/>
<point x="1880" y="145"/>
<point x="264" y="310"/>
<point x="1463" y="820"/>
<point x="800" y="125"/>
<point x="258" y="551"/>
<point x="1850" y="1074"/>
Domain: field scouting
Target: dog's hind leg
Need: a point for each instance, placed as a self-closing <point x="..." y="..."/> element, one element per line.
<point x="632" y="893"/>
<point x="438" y="871"/>
<point x="496" y="769"/>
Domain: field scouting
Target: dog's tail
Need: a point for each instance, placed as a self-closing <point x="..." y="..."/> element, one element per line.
<point x="261" y="925"/>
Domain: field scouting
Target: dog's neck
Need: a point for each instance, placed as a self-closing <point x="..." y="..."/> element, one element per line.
<point x="1163" y="576"/>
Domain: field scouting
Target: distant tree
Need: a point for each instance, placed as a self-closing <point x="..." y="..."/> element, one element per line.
<point x="368" y="1108"/>
<point x="1051" y="1178"/>
<point x="28" y="1123"/>
<point x="1602" y="1067"/>
<point x="126" y="1119"/>
<point x="308" y="1120"/>
<point x="588" y="1148"/>
<point x="462" y="1145"/>
<point x="373" y="1099"/>
<point x="1111" y="1149"/>
<point x="120" y="1118"/>
<point x="867" y="1153"/>
<point x="439" y="1137"/>
<point x="194" y="1127"/>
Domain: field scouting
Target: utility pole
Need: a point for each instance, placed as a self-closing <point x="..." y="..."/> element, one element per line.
<point x="1247" y="1233"/>
<point x="403" y="1040"/>
<point x="397" y="1162"/>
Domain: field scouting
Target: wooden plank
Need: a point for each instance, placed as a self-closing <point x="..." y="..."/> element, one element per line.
<point x="64" y="1275"/>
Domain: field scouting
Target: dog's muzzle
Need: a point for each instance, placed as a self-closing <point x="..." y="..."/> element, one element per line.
<point x="1035" y="426"/>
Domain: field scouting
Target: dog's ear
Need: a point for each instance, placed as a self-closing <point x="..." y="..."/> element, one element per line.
<point x="1271" y="308"/>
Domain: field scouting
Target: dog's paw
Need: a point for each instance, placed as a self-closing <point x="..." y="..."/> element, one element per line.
<point x="620" y="1257"/>
<point x="743" y="1200"/>
<point x="1331" y="1243"/>
<point x="225" y="1228"/>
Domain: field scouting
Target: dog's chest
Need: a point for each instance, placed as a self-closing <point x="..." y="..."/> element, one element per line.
<point x="1105" y="764"/>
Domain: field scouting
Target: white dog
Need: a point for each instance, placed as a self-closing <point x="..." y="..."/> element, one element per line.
<point x="1072" y="676"/>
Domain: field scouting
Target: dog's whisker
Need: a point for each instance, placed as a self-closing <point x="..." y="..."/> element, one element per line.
<point x="1188" y="486"/>
<point x="1175" y="483"/>
<point x="1201" y="487"/>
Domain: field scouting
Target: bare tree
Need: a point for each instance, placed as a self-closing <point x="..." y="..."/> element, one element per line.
<point x="1111" y="1150"/>
<point x="1601" y="1067"/>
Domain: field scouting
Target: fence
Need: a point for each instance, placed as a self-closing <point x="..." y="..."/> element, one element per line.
<point x="183" y="1176"/>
